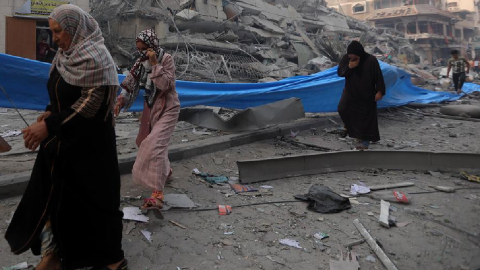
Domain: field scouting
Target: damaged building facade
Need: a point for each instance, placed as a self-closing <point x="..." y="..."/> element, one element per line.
<point x="434" y="27"/>
<point x="232" y="41"/>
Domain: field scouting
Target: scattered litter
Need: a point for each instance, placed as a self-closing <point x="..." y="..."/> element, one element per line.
<point x="384" y="213"/>
<point x="179" y="201"/>
<point x="374" y="246"/>
<point x="348" y="263"/>
<point x="134" y="213"/>
<point x="294" y="134"/>
<point x="471" y="197"/>
<point x="291" y="243"/>
<point x="321" y="236"/>
<point x="469" y="177"/>
<point x="391" y="196"/>
<point x="3" y="110"/>
<point x="228" y="233"/>
<point x="370" y="258"/>
<point x="147" y="235"/>
<point x="210" y="178"/>
<point x="204" y="132"/>
<point x="274" y="260"/>
<point x="177" y="224"/>
<point x="389" y="186"/>
<point x="321" y="219"/>
<point x="323" y="200"/>
<point x="185" y="140"/>
<point x="218" y="161"/>
<point x="354" y="243"/>
<point x="23" y="265"/>
<point x="242" y="188"/>
<point x="444" y="189"/>
<point x="435" y="213"/>
<point x="224" y="210"/>
<point x="266" y="187"/>
<point x="361" y="188"/>
<point x="130" y="198"/>
<point x="436" y="174"/>
<point x="403" y="224"/>
<point x="130" y="226"/>
<point x="8" y="221"/>
<point x="370" y="214"/>
<point x="227" y="242"/>
<point x="10" y="133"/>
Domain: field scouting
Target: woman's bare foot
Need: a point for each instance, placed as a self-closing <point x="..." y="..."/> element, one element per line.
<point x="49" y="262"/>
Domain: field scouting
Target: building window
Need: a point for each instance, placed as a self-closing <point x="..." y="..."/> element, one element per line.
<point x="359" y="8"/>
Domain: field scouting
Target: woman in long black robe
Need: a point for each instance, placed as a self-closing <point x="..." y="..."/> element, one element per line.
<point x="75" y="182"/>
<point x="364" y="86"/>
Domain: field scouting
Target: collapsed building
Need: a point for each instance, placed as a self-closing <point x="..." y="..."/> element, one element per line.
<point x="241" y="40"/>
<point x="434" y="27"/>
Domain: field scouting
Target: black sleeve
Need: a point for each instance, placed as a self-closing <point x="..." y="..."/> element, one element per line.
<point x="84" y="109"/>
<point x="378" y="75"/>
<point x="343" y="69"/>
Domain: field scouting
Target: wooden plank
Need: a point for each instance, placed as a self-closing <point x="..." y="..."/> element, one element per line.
<point x="4" y="146"/>
<point x="384" y="212"/>
<point x="374" y="246"/>
<point x="388" y="186"/>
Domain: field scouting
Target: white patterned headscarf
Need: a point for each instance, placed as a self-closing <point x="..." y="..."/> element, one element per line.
<point x="87" y="63"/>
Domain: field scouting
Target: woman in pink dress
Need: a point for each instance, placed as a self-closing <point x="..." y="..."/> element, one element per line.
<point x="154" y="71"/>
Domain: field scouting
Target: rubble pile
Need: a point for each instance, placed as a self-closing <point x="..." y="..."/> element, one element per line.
<point x="241" y="40"/>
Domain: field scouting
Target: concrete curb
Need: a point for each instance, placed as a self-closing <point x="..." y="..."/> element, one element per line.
<point x="15" y="184"/>
<point x="251" y="171"/>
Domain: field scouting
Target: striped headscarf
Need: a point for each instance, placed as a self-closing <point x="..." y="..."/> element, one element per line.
<point x="87" y="63"/>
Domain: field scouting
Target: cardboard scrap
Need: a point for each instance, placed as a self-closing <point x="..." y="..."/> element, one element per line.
<point x="134" y="213"/>
<point x="147" y="235"/>
<point x="179" y="201"/>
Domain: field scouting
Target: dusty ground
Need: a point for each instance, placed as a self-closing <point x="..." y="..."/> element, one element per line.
<point x="440" y="241"/>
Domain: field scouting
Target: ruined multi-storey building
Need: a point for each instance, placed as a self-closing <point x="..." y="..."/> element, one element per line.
<point x="434" y="27"/>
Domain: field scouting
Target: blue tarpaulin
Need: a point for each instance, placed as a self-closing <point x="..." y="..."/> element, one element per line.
<point x="25" y="81"/>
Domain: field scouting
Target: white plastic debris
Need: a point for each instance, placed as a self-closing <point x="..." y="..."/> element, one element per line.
<point x="23" y="265"/>
<point x="11" y="133"/>
<point x="204" y="132"/>
<point x="361" y="188"/>
<point x="370" y="258"/>
<point x="291" y="243"/>
<point x="147" y="235"/>
<point x="266" y="187"/>
<point x="134" y="213"/>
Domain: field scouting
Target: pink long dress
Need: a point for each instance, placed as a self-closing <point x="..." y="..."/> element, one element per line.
<point x="152" y="166"/>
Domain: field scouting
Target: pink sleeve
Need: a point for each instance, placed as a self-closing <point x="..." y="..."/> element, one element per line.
<point x="163" y="74"/>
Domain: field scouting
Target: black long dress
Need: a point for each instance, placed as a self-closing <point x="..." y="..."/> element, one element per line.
<point x="357" y="107"/>
<point x="75" y="182"/>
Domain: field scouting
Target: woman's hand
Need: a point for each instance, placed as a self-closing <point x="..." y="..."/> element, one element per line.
<point x="35" y="134"/>
<point x="378" y="96"/>
<point x="152" y="56"/>
<point x="118" y="107"/>
<point x="44" y="116"/>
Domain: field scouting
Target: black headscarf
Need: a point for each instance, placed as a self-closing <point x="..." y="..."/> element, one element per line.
<point x="356" y="48"/>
